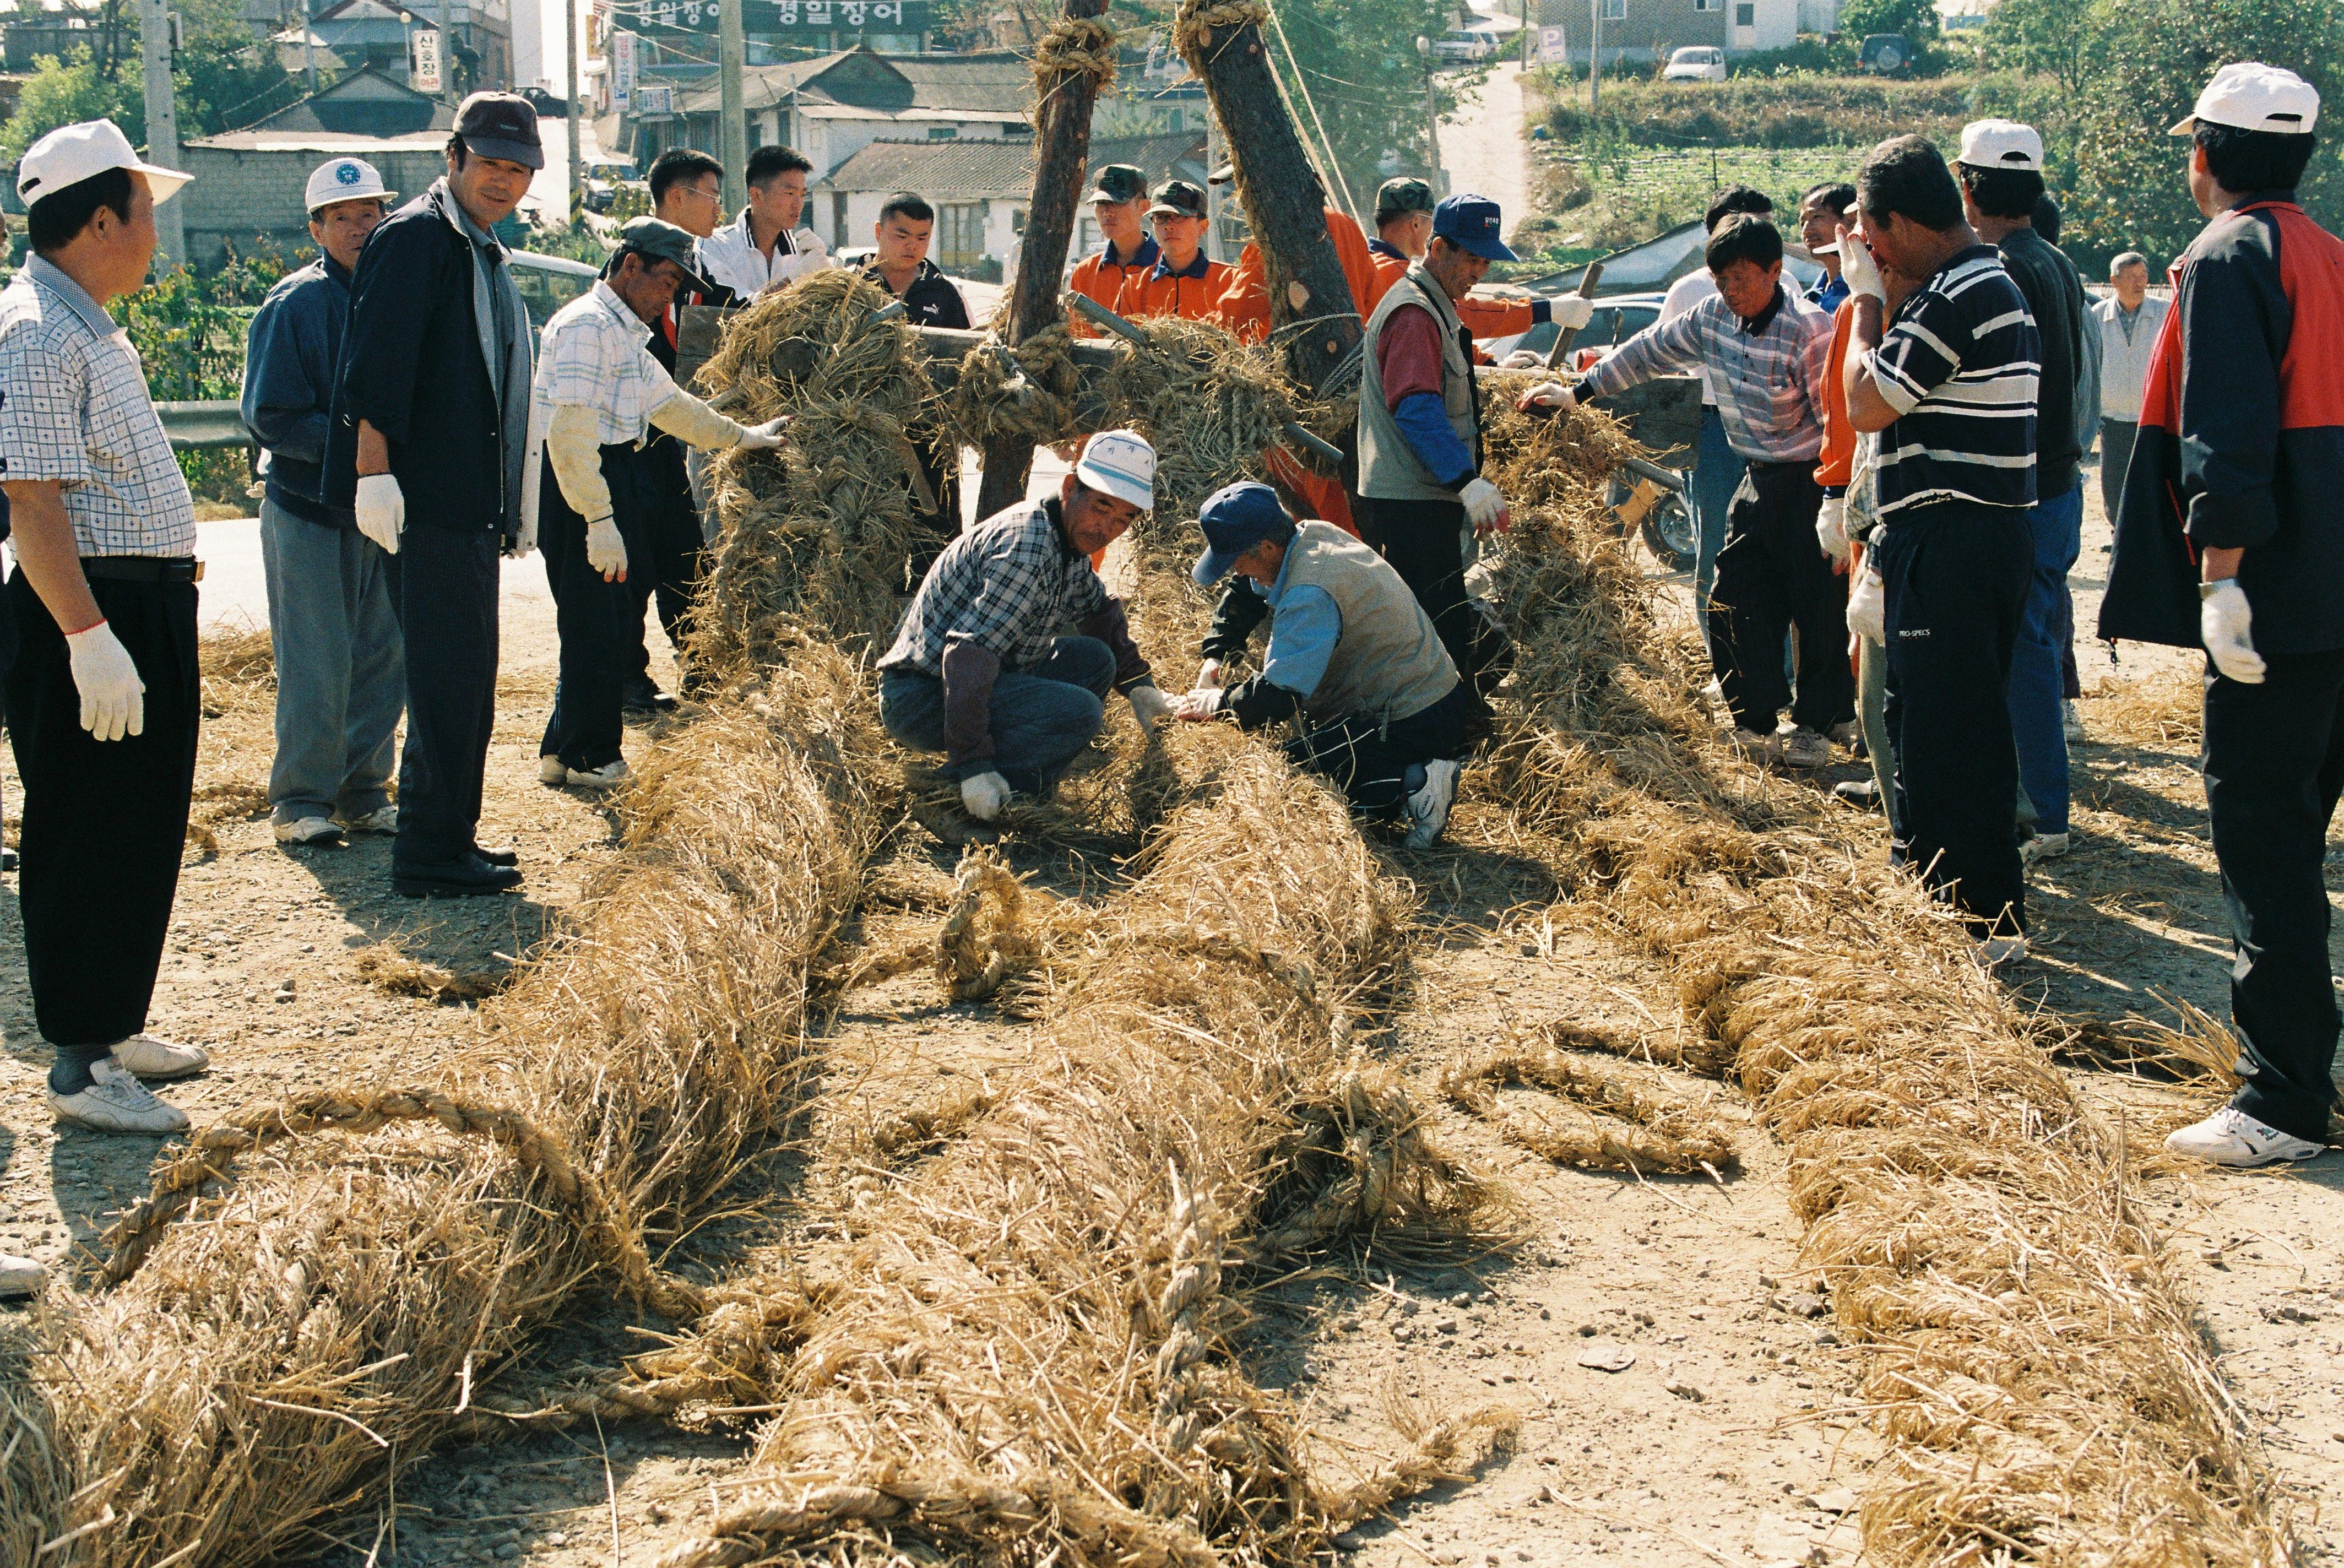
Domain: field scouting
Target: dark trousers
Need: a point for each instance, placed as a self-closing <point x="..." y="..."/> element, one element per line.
<point x="674" y="558"/>
<point x="2117" y="439"/>
<point x="1369" y="760"/>
<point x="1042" y="717"/>
<point x="106" y="822"/>
<point x="1772" y="575"/>
<point x="444" y="586"/>
<point x="1956" y="575"/>
<point x="1424" y="542"/>
<point x="2274" y="764"/>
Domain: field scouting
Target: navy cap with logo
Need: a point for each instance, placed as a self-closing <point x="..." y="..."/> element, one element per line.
<point x="1118" y="182"/>
<point x="1235" y="519"/>
<point x="1179" y="199"/>
<point x="1471" y="222"/>
<point x="661" y="241"/>
<point x="500" y="126"/>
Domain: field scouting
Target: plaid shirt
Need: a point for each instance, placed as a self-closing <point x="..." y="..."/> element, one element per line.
<point x="1768" y="380"/>
<point x="1013" y="585"/>
<point x="74" y="408"/>
<point x="595" y="355"/>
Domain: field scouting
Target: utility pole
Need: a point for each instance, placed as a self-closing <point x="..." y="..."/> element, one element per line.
<point x="1432" y="115"/>
<point x="1212" y="191"/>
<point x="577" y="163"/>
<point x="731" y="123"/>
<point x="1594" y="56"/>
<point x="162" y="126"/>
<point x="309" y="44"/>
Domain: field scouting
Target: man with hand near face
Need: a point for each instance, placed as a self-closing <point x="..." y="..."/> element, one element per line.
<point x="767" y="248"/>
<point x="340" y="682"/>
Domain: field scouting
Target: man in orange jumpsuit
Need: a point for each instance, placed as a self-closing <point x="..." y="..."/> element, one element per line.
<point x="1119" y="202"/>
<point x="1184" y="282"/>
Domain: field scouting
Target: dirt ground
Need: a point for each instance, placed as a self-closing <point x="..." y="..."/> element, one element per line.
<point x="1682" y="1397"/>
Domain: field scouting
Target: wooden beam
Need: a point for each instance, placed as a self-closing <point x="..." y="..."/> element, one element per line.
<point x="1282" y="196"/>
<point x="1062" y="151"/>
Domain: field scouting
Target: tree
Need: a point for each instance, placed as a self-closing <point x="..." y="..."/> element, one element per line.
<point x="1359" y="64"/>
<point x="1917" y="19"/>
<point x="64" y="92"/>
<point x="2054" y="37"/>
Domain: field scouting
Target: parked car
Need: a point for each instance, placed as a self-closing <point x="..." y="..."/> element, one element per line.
<point x="602" y="178"/>
<point x="1698" y="63"/>
<point x="547" y="106"/>
<point x="1465" y="45"/>
<point x="1617" y="318"/>
<point x="1885" y="55"/>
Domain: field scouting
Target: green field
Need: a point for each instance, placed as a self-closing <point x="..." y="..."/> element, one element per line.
<point x="1599" y="198"/>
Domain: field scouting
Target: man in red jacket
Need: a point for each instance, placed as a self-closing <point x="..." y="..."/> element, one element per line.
<point x="2230" y="535"/>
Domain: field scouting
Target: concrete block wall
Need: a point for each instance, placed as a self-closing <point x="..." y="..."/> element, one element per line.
<point x="238" y="195"/>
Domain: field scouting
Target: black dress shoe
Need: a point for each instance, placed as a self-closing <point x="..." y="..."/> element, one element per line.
<point x="497" y="856"/>
<point x="466" y="876"/>
<point x="643" y="696"/>
<point x="1863" y="793"/>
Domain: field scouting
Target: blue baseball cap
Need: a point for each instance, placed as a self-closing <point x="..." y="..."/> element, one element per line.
<point x="1470" y="222"/>
<point x="1235" y="519"/>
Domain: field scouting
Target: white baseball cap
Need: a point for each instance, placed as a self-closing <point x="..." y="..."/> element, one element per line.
<point x="2001" y="143"/>
<point x="2253" y="96"/>
<point x="72" y="154"/>
<point x="1121" y="463"/>
<point x="344" y="179"/>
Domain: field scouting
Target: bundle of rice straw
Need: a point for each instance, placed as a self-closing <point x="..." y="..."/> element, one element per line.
<point x="2033" y="1357"/>
<point x="1021" y="1348"/>
<point x="1212" y="406"/>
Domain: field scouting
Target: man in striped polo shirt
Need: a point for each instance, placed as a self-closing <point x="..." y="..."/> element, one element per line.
<point x="1948" y="378"/>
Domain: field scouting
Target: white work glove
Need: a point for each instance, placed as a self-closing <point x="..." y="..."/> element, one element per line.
<point x="1858" y="269"/>
<point x="1211" y="674"/>
<point x="1571" y="311"/>
<point x="1547" y="395"/>
<point x="983" y="796"/>
<point x="606" y="552"/>
<point x="113" y="697"/>
<point x="1151" y="707"/>
<point x="1201" y="703"/>
<point x="1484" y="505"/>
<point x="764" y="438"/>
<point x="1523" y="359"/>
<point x="2225" y="621"/>
<point x="1867" y="605"/>
<point x="382" y="510"/>
<point x="1830" y="530"/>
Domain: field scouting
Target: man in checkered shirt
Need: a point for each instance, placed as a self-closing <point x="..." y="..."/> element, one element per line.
<point x="101" y="700"/>
<point x="1005" y="658"/>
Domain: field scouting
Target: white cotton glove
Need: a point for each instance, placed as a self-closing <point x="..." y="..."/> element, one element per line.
<point x="113" y="697"/>
<point x="983" y="796"/>
<point x="1571" y="312"/>
<point x="1485" y="506"/>
<point x="606" y="552"/>
<point x="1151" y="707"/>
<point x="1830" y="530"/>
<point x="1201" y="703"/>
<point x="382" y="510"/>
<point x="1867" y="605"/>
<point x="1547" y="395"/>
<point x="1523" y="359"/>
<point x="2225" y="621"/>
<point x="764" y="437"/>
<point x="1210" y="674"/>
<point x="1858" y="269"/>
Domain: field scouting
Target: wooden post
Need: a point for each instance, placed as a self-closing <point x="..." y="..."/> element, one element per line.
<point x="1281" y="195"/>
<point x="1062" y="151"/>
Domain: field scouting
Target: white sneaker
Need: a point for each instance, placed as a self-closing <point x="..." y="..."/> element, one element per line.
<point x="2072" y="723"/>
<point x="381" y="819"/>
<point x="20" y="1276"/>
<point x="2043" y="846"/>
<point x="310" y="831"/>
<point x="1758" y="748"/>
<point x="1428" y="808"/>
<point x="552" y="771"/>
<point x="1803" y="748"/>
<point x="610" y="775"/>
<point x="148" y="1057"/>
<point x="1844" y="734"/>
<point x="1993" y="952"/>
<point x="2232" y="1138"/>
<point x="116" y="1102"/>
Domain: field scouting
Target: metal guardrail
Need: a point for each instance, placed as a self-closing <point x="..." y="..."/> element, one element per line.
<point x="199" y="426"/>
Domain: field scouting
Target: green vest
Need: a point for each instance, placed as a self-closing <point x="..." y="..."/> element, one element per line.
<point x="1388" y="663"/>
<point x="1389" y="469"/>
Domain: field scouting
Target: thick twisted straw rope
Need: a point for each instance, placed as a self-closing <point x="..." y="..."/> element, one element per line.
<point x="1083" y="45"/>
<point x="969" y="965"/>
<point x="1193" y="28"/>
<point x="1195" y="1281"/>
<point x="1664" y="1133"/>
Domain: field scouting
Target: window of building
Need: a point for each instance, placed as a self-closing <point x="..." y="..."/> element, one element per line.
<point x="1745" y="13"/>
<point x="1708" y="4"/>
<point x="1615" y="10"/>
<point x="943" y="133"/>
<point x="960" y="236"/>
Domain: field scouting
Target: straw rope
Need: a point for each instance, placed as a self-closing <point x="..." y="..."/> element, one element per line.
<point x="1075" y="45"/>
<point x="1664" y="1133"/>
<point x="1194" y="26"/>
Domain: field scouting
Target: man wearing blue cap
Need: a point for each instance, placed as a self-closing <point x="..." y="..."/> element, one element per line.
<point x="1352" y="656"/>
<point x="1420" y="430"/>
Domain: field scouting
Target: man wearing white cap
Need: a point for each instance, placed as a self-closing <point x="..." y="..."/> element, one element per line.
<point x="2001" y="171"/>
<point x="2230" y="535"/>
<point x="340" y="683"/>
<point x="101" y="701"/>
<point x="1005" y="658"/>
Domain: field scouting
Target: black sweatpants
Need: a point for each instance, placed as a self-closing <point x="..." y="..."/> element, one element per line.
<point x="106" y="822"/>
<point x="1956" y="575"/>
<point x="1772" y="576"/>
<point x="2274" y="763"/>
<point x="592" y="617"/>
<point x="443" y="585"/>
<point x="1369" y="760"/>
<point x="1424" y="542"/>
<point x="674" y="556"/>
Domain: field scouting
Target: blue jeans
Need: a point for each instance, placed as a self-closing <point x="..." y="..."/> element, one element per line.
<point x="2036" y="677"/>
<point x="341" y="680"/>
<point x="1042" y="715"/>
<point x="1717" y="473"/>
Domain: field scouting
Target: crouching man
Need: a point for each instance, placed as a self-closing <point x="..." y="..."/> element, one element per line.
<point x="599" y="392"/>
<point x="1005" y="658"/>
<point x="1351" y="654"/>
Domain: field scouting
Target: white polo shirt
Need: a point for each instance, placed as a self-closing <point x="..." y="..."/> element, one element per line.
<point x="595" y="355"/>
<point x="731" y="257"/>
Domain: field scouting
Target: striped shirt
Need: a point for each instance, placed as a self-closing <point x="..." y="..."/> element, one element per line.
<point x="595" y="355"/>
<point x="1767" y="375"/>
<point x="1959" y="363"/>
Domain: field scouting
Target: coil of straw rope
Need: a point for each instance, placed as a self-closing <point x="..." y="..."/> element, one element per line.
<point x="1082" y="46"/>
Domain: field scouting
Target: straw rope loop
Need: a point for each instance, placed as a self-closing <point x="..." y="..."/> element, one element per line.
<point x="1082" y="46"/>
<point x="1194" y="1280"/>
<point x="1664" y="1133"/>
<point x="1194" y="26"/>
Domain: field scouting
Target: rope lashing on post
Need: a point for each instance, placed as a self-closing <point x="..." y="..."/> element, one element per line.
<point x="1075" y="45"/>
<point x="1194" y="26"/>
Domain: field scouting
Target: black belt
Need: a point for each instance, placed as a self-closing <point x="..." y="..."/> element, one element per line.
<point x="1773" y="465"/>
<point x="143" y="568"/>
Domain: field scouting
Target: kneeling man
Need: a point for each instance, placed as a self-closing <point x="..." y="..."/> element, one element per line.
<point x="1005" y="658"/>
<point x="1351" y="653"/>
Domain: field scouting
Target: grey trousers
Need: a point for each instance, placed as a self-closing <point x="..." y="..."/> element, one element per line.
<point x="341" y="683"/>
